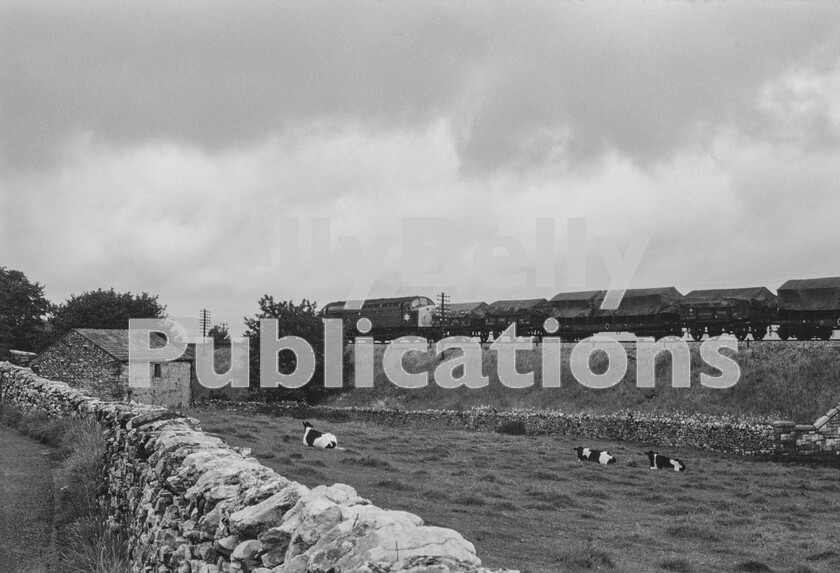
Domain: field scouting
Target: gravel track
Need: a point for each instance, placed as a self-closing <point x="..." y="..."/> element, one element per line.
<point x="26" y="503"/>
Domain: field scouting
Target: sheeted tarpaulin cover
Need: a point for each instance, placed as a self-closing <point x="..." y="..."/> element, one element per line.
<point x="810" y="294"/>
<point x="758" y="296"/>
<point x="576" y="304"/>
<point x="467" y="309"/>
<point x="646" y="302"/>
<point x="504" y="307"/>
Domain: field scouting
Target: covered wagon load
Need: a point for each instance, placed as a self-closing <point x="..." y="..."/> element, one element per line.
<point x="467" y="310"/>
<point x="809" y="308"/>
<point x="644" y="312"/>
<point x="570" y="305"/>
<point x="464" y="318"/>
<point x="528" y="315"/>
<point x="737" y="311"/>
<point x="575" y="313"/>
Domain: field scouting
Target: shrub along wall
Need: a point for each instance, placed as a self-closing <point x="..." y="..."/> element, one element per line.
<point x="676" y="429"/>
<point x="192" y="504"/>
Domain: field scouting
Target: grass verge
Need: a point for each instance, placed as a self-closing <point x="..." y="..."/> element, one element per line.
<point x="82" y="541"/>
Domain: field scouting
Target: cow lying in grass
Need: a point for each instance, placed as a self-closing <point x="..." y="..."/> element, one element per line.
<point x="658" y="462"/>
<point x="316" y="439"/>
<point x="590" y="455"/>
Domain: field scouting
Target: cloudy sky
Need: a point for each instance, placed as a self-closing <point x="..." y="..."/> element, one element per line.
<point x="201" y="150"/>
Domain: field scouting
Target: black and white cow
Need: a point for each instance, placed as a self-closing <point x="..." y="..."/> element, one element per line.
<point x="316" y="439"/>
<point x="660" y="462"/>
<point x="590" y="455"/>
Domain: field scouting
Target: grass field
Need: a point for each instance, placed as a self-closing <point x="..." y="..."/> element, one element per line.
<point x="797" y="381"/>
<point x="527" y="503"/>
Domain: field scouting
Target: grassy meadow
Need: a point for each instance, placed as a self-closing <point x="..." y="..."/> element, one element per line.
<point x="797" y="381"/>
<point x="527" y="503"/>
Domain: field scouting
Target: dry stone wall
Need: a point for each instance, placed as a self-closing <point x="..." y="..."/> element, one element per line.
<point x="823" y="436"/>
<point x="673" y="429"/>
<point x="192" y="504"/>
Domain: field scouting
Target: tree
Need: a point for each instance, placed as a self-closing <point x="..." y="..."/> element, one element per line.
<point x="298" y="320"/>
<point x="220" y="335"/>
<point x="23" y="309"/>
<point x="103" y="309"/>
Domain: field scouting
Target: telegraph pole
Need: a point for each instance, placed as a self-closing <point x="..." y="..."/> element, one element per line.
<point x="205" y="321"/>
<point x="443" y="299"/>
<point x="443" y="304"/>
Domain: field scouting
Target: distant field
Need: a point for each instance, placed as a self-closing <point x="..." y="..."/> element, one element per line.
<point x="799" y="381"/>
<point x="527" y="503"/>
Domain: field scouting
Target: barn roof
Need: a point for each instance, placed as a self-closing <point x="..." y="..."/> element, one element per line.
<point x="810" y="294"/>
<point x="114" y="341"/>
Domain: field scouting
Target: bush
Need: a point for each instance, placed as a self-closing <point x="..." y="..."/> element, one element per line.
<point x="512" y="428"/>
<point x="90" y="547"/>
<point x="333" y="416"/>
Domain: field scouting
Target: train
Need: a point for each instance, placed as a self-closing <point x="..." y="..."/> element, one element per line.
<point x="801" y="309"/>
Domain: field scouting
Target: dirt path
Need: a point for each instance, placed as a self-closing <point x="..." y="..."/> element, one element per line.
<point x="26" y="503"/>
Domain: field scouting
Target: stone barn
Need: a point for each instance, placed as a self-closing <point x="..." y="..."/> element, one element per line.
<point x="95" y="360"/>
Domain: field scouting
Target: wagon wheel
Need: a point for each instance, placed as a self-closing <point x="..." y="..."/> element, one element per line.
<point x="697" y="334"/>
<point x="824" y="333"/>
<point x="759" y="332"/>
<point x="740" y="333"/>
<point x="783" y="333"/>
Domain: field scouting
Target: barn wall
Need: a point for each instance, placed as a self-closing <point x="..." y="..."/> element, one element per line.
<point x="171" y="389"/>
<point x="192" y="504"/>
<point x="84" y="365"/>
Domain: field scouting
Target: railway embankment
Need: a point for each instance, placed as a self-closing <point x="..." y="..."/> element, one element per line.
<point x="790" y="380"/>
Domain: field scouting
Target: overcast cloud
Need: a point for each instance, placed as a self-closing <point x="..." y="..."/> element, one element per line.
<point x="165" y="148"/>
